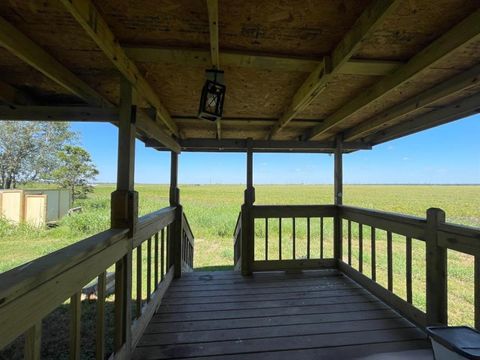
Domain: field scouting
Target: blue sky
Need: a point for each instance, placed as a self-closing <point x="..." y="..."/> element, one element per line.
<point x="448" y="154"/>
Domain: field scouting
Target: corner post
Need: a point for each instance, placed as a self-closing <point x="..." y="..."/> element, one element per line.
<point x="436" y="270"/>
<point x="124" y="214"/>
<point x="176" y="226"/>
<point x="247" y="245"/>
<point x="338" y="199"/>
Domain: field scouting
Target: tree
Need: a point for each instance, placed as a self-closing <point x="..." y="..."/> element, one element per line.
<point x="75" y="171"/>
<point x="28" y="150"/>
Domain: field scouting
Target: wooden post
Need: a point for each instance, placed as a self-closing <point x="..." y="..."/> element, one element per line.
<point x="436" y="270"/>
<point x="176" y="227"/>
<point x="124" y="214"/>
<point x="338" y="199"/>
<point x="247" y="220"/>
<point x="33" y="342"/>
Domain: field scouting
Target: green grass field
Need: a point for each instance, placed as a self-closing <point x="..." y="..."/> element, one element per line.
<point x="212" y="211"/>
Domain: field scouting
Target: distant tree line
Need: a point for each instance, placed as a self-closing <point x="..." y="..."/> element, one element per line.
<point x="32" y="151"/>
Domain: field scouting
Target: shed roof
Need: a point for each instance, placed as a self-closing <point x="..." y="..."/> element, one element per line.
<point x="296" y="71"/>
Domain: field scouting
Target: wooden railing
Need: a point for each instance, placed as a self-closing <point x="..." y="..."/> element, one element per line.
<point x="237" y="239"/>
<point x="356" y="236"/>
<point x="187" y="245"/>
<point x="29" y="293"/>
<point x="287" y="252"/>
<point x="431" y="234"/>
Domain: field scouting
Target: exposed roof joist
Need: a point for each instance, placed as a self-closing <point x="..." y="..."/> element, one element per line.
<point x="28" y="51"/>
<point x="240" y="145"/>
<point x="24" y="48"/>
<point x="212" y="6"/>
<point x="429" y="97"/>
<point x="59" y="113"/>
<point x="202" y="58"/>
<point x="368" y="21"/>
<point x="456" y="38"/>
<point x="96" y="27"/>
<point x="459" y="109"/>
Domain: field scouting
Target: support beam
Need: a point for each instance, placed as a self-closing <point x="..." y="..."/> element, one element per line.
<point x="175" y="228"/>
<point x="87" y="15"/>
<point x="147" y="129"/>
<point x="247" y="236"/>
<point x="59" y="113"/>
<point x="460" y="36"/>
<point x="124" y="214"/>
<point x="13" y="96"/>
<point x="241" y="145"/>
<point x="212" y="6"/>
<point x="455" y="111"/>
<point x="213" y="27"/>
<point x="455" y="84"/>
<point x="201" y="58"/>
<point x="368" y="21"/>
<point x="338" y="198"/>
<point x="24" y="48"/>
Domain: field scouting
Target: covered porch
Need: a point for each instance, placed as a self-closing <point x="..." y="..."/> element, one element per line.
<point x="348" y="89"/>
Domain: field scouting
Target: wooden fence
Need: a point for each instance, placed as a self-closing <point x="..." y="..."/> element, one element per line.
<point x="32" y="291"/>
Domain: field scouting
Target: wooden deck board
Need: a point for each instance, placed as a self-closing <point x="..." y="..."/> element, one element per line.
<point x="310" y="315"/>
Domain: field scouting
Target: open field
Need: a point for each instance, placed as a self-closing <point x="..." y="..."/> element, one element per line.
<point x="212" y="211"/>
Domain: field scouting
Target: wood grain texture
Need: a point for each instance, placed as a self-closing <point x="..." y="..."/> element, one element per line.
<point x="293" y="320"/>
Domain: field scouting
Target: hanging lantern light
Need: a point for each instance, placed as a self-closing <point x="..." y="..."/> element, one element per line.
<point x="213" y="95"/>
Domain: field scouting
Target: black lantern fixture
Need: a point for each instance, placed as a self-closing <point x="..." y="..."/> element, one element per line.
<point x="213" y="95"/>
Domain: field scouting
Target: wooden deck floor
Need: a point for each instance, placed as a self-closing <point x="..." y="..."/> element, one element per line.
<point x="310" y="315"/>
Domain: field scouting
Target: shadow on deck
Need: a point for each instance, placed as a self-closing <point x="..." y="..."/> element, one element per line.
<point x="277" y="315"/>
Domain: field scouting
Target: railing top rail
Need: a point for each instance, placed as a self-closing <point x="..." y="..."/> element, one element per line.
<point x="150" y="224"/>
<point x="406" y="225"/>
<point x="272" y="211"/>
<point x="462" y="230"/>
<point x="188" y="229"/>
<point x="21" y="279"/>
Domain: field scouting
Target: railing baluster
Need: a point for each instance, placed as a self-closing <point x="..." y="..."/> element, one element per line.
<point x="149" y="268"/>
<point x="156" y="261"/>
<point x="294" y="235"/>
<point x="100" y="321"/>
<point x="266" y="238"/>
<point x="139" y="281"/>
<point x="321" y="238"/>
<point x="389" y="261"/>
<point x="476" y="290"/>
<point x="349" y="223"/>
<point x="360" y="248"/>
<point x="408" y="241"/>
<point x="163" y="255"/>
<point x="373" y="254"/>
<point x="33" y="342"/>
<point x="308" y="238"/>
<point x="279" y="238"/>
<point x="75" y="321"/>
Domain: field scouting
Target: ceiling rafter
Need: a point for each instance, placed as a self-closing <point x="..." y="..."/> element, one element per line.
<point x="87" y="15"/>
<point x="456" y="38"/>
<point x="445" y="89"/>
<point x="202" y="58"/>
<point x="442" y="115"/>
<point x="24" y="48"/>
<point x="212" y="6"/>
<point x="317" y="81"/>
